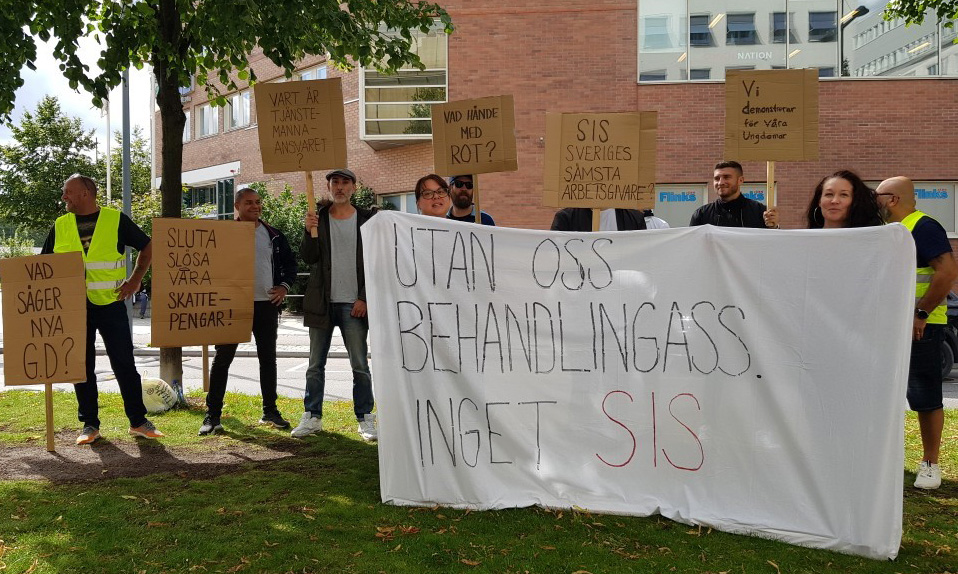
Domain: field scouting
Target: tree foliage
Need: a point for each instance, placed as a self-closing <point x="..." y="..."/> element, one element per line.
<point x="140" y="183"/>
<point x="914" y="11"/>
<point x="48" y="147"/>
<point x="206" y="39"/>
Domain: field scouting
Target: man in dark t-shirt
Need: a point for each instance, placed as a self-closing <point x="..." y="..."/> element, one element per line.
<point x="936" y="271"/>
<point x="107" y="288"/>
<point x="460" y="192"/>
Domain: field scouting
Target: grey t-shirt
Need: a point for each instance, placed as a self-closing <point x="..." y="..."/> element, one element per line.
<point x="263" y="265"/>
<point x="342" y="237"/>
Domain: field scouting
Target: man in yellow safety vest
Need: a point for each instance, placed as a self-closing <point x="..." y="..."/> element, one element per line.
<point x="101" y="235"/>
<point x="936" y="271"/>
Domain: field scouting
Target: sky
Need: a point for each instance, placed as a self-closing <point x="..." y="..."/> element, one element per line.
<point x="47" y="79"/>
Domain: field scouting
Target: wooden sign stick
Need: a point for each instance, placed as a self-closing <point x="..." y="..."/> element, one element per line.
<point x="48" y="392"/>
<point x="475" y="198"/>
<point x="770" y="198"/>
<point x="596" y="218"/>
<point x="311" y="202"/>
<point x="206" y="368"/>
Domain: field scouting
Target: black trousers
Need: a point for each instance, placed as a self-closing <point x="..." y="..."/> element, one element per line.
<point x="114" y="327"/>
<point x="265" y="327"/>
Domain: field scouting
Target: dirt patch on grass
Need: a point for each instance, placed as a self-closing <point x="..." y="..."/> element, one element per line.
<point x="119" y="459"/>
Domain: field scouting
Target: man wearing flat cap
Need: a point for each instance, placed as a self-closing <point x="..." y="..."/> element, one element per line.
<point x="336" y="297"/>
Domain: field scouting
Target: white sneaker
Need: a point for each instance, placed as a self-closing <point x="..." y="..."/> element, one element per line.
<point x="929" y="476"/>
<point x="307" y="425"/>
<point x="367" y="428"/>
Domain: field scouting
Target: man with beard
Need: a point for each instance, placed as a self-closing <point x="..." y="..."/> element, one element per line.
<point x="460" y="188"/>
<point x="936" y="271"/>
<point x="336" y="297"/>
<point x="732" y="209"/>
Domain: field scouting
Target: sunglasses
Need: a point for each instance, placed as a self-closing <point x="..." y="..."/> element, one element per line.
<point x="465" y="184"/>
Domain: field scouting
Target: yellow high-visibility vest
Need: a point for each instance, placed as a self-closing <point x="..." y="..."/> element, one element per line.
<point x="924" y="275"/>
<point x="105" y="267"/>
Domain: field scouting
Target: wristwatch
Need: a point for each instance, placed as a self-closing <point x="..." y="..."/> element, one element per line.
<point x="921" y="314"/>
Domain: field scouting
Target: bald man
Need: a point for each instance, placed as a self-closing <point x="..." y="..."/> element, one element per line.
<point x="935" y="275"/>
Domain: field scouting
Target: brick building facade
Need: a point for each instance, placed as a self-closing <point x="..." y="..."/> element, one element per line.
<point x="568" y="56"/>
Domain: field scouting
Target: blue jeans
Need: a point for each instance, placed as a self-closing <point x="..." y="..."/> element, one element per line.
<point x="114" y="326"/>
<point x="354" y="331"/>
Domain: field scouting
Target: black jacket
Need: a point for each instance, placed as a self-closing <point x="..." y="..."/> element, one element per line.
<point x="580" y="219"/>
<point x="316" y="253"/>
<point x="740" y="212"/>
<point x="284" y="262"/>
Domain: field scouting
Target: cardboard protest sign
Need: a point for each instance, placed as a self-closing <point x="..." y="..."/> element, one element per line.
<point x="44" y="318"/>
<point x="202" y="282"/>
<point x="474" y="136"/>
<point x="302" y="125"/>
<point x="771" y="115"/>
<point x="591" y="371"/>
<point x="600" y="160"/>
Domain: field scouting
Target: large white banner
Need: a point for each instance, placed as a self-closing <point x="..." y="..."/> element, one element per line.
<point x="751" y="381"/>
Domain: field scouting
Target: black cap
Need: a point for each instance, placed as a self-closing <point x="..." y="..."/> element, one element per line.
<point x="341" y="173"/>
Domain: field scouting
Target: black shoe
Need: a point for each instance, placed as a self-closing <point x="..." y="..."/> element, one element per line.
<point x="211" y="425"/>
<point x="274" y="419"/>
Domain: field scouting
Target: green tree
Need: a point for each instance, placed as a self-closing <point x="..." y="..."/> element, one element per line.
<point x="48" y="147"/>
<point x="913" y="11"/>
<point x="140" y="183"/>
<point x="206" y="39"/>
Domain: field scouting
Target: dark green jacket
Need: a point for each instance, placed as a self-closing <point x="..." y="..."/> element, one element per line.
<point x="316" y="254"/>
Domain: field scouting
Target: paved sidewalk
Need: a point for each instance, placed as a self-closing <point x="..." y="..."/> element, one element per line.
<point x="292" y="341"/>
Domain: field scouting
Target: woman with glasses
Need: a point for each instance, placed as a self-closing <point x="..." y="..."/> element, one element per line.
<point x="842" y="200"/>
<point x="432" y="195"/>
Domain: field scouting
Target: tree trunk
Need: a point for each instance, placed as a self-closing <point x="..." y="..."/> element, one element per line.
<point x="172" y="121"/>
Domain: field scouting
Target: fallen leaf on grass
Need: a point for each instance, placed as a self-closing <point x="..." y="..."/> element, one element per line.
<point x="468" y="562"/>
<point x="396" y="549"/>
<point x="409" y="529"/>
<point x="32" y="566"/>
<point x="775" y="566"/>
<point x="582" y="572"/>
<point x="156" y="524"/>
<point x="357" y="554"/>
<point x="128" y="496"/>
<point x="548" y="547"/>
<point x="270" y="544"/>
<point x="310" y="517"/>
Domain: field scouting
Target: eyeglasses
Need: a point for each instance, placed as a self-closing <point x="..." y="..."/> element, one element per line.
<point x="430" y="194"/>
<point x="465" y="184"/>
<point x="885" y="193"/>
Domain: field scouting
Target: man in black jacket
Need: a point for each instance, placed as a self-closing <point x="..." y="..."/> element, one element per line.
<point x="336" y="297"/>
<point x="275" y="271"/>
<point x="732" y="209"/>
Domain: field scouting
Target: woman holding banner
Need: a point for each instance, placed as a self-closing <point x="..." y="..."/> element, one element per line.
<point x="432" y="196"/>
<point x="842" y="200"/>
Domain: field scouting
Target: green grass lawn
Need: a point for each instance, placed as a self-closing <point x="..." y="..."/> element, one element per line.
<point x="319" y="511"/>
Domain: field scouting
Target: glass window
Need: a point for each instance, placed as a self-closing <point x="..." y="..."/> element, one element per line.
<point x="741" y="29"/>
<point x="187" y="127"/>
<point x="653" y="76"/>
<point x="937" y="199"/>
<point x="826" y="72"/>
<point x="699" y="32"/>
<point x="700" y="74"/>
<point x="399" y="106"/>
<point x="237" y="110"/>
<point x="207" y="120"/>
<point x="675" y="203"/>
<point x="656" y="36"/>
<point x="780" y="27"/>
<point x="822" y="26"/>
<point x="317" y="73"/>
<point x="405" y="202"/>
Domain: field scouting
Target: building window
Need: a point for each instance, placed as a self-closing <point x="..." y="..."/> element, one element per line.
<point x="699" y="32"/>
<point x="317" y="73"/>
<point x="780" y="27"/>
<point x="656" y="35"/>
<point x="822" y="26"/>
<point x="741" y="29"/>
<point x="187" y="127"/>
<point x="700" y="74"/>
<point x="207" y="120"/>
<point x="653" y="76"/>
<point x="405" y="202"/>
<point x="399" y="106"/>
<point x="215" y="198"/>
<point x="826" y="72"/>
<point x="237" y="110"/>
